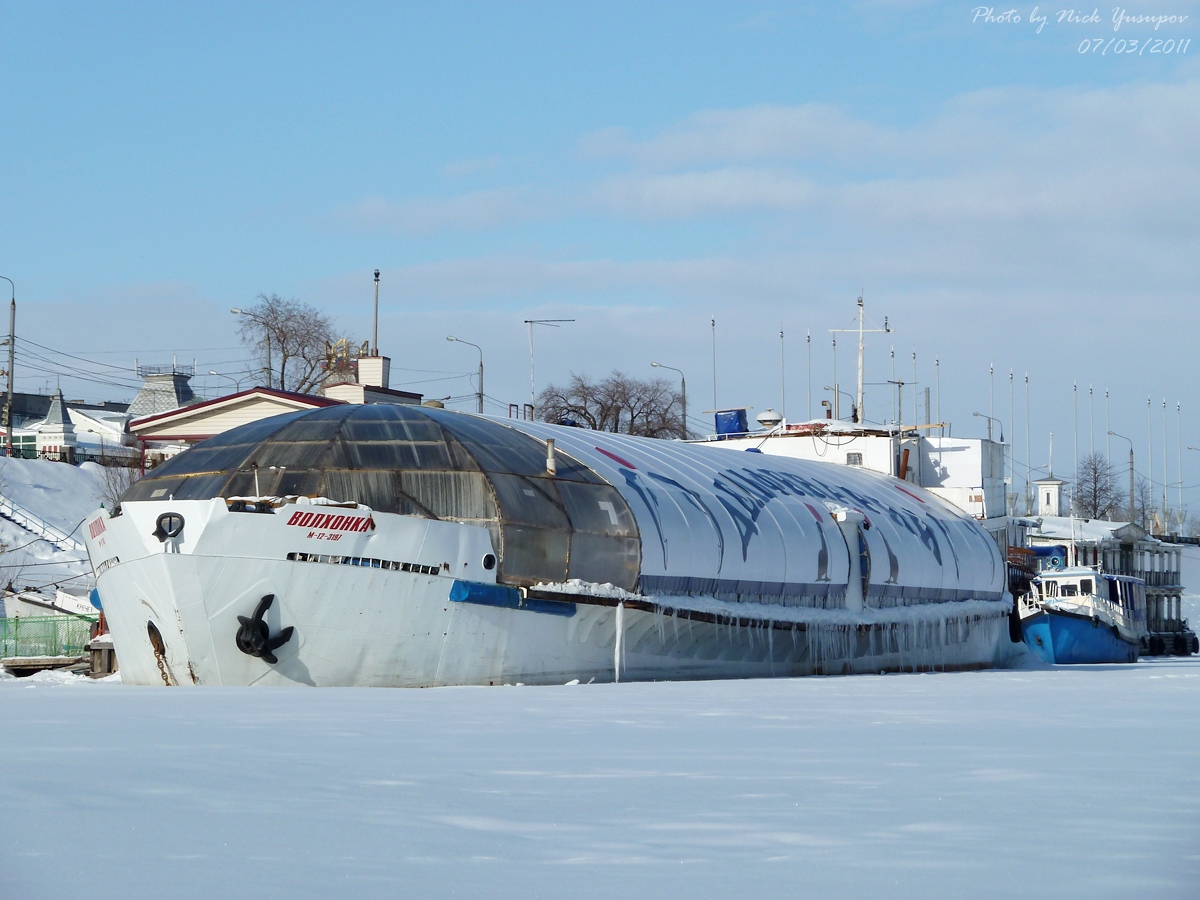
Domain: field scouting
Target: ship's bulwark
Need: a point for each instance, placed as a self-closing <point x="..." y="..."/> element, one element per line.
<point x="455" y="557"/>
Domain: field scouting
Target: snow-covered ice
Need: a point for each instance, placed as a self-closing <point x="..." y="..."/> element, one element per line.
<point x="1069" y="782"/>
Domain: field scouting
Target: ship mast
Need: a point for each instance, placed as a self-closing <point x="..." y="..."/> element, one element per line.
<point x="862" y="329"/>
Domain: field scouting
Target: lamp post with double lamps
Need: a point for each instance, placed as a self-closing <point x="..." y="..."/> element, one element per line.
<point x="479" y="394"/>
<point x="237" y="382"/>
<point x="683" y="428"/>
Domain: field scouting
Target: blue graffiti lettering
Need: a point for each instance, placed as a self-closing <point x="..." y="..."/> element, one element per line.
<point x="694" y="498"/>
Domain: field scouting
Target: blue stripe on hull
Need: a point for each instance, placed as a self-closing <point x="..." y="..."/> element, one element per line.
<point x="1069" y="640"/>
<point x="506" y="597"/>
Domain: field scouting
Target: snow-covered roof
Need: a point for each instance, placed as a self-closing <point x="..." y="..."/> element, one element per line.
<point x="57" y="419"/>
<point x="1066" y="528"/>
<point x="203" y="420"/>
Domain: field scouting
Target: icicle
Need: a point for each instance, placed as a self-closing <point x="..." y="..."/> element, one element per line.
<point x="617" y="647"/>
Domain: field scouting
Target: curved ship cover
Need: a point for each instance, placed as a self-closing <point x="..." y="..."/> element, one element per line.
<point x="409" y="546"/>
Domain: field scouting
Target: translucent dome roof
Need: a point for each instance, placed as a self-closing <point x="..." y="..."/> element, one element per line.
<point x="425" y="462"/>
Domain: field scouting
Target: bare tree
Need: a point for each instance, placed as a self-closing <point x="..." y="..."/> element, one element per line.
<point x="13" y="560"/>
<point x="619" y="403"/>
<point x="289" y="339"/>
<point x="1143" y="504"/>
<point x="1095" y="494"/>
<point x="119" y="469"/>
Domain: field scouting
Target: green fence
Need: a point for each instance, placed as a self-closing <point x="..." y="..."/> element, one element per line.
<point x="45" y="635"/>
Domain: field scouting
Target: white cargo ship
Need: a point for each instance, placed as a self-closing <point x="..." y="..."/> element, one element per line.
<point x="393" y="545"/>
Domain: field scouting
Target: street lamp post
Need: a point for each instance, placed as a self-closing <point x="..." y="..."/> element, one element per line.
<point x="12" y="340"/>
<point x="266" y="331"/>
<point x="1122" y="437"/>
<point x="553" y="323"/>
<point x="991" y="419"/>
<point x="479" y="395"/>
<point x="683" y="429"/>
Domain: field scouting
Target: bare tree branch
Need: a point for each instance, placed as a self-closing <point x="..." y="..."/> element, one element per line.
<point x="289" y="338"/>
<point x="619" y="403"/>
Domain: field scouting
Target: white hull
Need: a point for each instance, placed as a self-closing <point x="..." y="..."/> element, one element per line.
<point x="355" y="625"/>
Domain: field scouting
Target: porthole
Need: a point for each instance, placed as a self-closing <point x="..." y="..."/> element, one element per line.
<point x="489" y="562"/>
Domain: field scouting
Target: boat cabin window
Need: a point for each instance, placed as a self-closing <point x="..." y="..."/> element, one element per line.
<point x="1051" y="588"/>
<point x="1069" y="589"/>
<point x="1085" y="585"/>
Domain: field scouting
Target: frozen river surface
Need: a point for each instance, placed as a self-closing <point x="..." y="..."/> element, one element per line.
<point x="1080" y="782"/>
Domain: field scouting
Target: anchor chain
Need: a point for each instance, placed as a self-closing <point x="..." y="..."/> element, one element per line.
<point x="162" y="666"/>
<point x="160" y="652"/>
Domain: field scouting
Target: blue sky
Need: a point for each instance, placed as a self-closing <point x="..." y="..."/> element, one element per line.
<point x="642" y="168"/>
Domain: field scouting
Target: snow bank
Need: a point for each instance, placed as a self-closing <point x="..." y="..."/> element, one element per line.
<point x="59" y="493"/>
<point x="62" y="496"/>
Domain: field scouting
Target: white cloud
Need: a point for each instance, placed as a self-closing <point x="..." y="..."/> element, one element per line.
<point x="688" y="195"/>
<point x="484" y="209"/>
<point x="738" y="136"/>
<point x="1106" y="161"/>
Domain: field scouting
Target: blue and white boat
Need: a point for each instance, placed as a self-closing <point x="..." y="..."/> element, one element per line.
<point x="1079" y="614"/>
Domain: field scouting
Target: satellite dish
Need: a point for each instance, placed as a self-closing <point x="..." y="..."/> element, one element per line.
<point x="768" y="418"/>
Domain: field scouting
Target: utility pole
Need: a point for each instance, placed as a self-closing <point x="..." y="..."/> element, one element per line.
<point x="1165" y="476"/>
<point x="12" y="340"/>
<point x="783" y="378"/>
<point x="808" y="341"/>
<point x="714" y="355"/>
<point x="1011" y="504"/>
<point x="1179" y="459"/>
<point x="1028" y="486"/>
<point x="1149" y="458"/>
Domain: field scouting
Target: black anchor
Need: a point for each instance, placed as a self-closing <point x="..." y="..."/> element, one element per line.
<point x="254" y="637"/>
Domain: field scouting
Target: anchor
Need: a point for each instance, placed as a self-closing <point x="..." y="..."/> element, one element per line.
<point x="254" y="637"/>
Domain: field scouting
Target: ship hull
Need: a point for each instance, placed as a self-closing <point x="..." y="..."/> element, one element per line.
<point x="175" y="613"/>
<point x="1064" y="639"/>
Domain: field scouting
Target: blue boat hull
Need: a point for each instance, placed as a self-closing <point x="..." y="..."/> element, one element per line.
<point x="1062" y="639"/>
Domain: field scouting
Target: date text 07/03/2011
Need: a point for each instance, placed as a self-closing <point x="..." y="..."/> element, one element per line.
<point x="1122" y="46"/>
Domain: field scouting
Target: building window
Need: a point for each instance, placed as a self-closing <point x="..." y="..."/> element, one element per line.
<point x="854" y="459"/>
